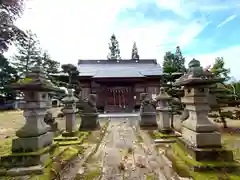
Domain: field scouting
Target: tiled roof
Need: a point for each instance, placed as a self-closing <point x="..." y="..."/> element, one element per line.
<point x="121" y="68"/>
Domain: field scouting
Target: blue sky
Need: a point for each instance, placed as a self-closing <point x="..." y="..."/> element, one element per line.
<point x="204" y="29"/>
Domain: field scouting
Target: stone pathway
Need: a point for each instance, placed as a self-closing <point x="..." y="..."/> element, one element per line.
<point x="124" y="157"/>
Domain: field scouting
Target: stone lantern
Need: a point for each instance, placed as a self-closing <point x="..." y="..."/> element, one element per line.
<point x="70" y="111"/>
<point x="197" y="130"/>
<point x="34" y="136"/>
<point x="164" y="111"/>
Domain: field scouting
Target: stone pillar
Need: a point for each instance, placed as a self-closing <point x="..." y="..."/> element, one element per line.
<point x="147" y="113"/>
<point x="164" y="111"/>
<point x="70" y="111"/>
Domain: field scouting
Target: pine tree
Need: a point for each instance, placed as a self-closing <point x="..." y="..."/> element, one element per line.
<point x="114" y="49"/>
<point x="179" y="60"/>
<point x="8" y="75"/>
<point x="28" y="53"/>
<point x="135" y="55"/>
<point x="51" y="66"/>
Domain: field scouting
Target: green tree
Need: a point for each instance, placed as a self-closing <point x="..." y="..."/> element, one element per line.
<point x="174" y="63"/>
<point x="28" y="53"/>
<point x="8" y="75"/>
<point x="219" y="69"/>
<point x="51" y="66"/>
<point x="135" y="55"/>
<point x="114" y="49"/>
<point x="72" y="72"/>
<point x="168" y="63"/>
<point x="10" y="10"/>
<point x="179" y="60"/>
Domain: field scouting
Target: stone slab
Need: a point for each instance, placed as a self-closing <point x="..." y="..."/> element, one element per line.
<point x="205" y="154"/>
<point x="201" y="140"/>
<point x="25" y="160"/>
<point x="22" y="171"/>
<point x="31" y="144"/>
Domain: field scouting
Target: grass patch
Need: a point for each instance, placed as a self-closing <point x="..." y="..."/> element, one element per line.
<point x="182" y="163"/>
<point x="93" y="174"/>
<point x="139" y="138"/>
<point x="159" y="135"/>
<point x="60" y="158"/>
<point x="150" y="177"/>
<point x="232" y="141"/>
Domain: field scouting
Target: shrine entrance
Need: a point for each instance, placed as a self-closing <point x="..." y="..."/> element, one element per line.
<point x="119" y="99"/>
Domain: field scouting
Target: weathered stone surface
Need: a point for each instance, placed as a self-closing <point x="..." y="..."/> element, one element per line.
<point x="22" y="171"/>
<point x="197" y="130"/>
<point x="34" y="135"/>
<point x="29" y="144"/>
<point x="147" y="113"/>
<point x="89" y="115"/>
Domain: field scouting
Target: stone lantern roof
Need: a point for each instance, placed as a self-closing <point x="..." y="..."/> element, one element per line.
<point x="35" y="80"/>
<point x="196" y="76"/>
<point x="163" y="95"/>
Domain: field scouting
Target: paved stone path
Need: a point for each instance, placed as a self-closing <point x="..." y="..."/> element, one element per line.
<point x="138" y="164"/>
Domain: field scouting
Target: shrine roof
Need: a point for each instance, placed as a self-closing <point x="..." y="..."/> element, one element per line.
<point x="118" y="69"/>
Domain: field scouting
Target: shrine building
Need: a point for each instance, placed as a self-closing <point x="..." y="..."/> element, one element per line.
<point x="118" y="83"/>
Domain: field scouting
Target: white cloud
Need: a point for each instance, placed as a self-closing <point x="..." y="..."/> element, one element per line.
<point x="81" y="30"/>
<point x="228" y="19"/>
<point x="230" y="55"/>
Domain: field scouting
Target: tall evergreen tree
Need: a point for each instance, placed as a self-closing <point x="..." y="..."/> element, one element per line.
<point x="10" y="10"/>
<point x="28" y="53"/>
<point x="51" y="66"/>
<point x="114" y="49"/>
<point x="219" y="69"/>
<point x="135" y="55"/>
<point x="179" y="60"/>
<point x="8" y="75"/>
<point x="174" y="62"/>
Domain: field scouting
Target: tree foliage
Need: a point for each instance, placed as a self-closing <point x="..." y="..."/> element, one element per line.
<point x="174" y="62"/>
<point x="10" y="10"/>
<point x="72" y="72"/>
<point x="114" y="49"/>
<point x="8" y="75"/>
<point x="51" y="66"/>
<point x="219" y="69"/>
<point x="28" y="53"/>
<point x="135" y="55"/>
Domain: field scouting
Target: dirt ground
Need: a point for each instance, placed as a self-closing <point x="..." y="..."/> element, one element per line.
<point x="10" y="121"/>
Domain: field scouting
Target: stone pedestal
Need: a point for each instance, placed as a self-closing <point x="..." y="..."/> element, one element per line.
<point x="89" y="115"/>
<point x="164" y="111"/>
<point x="89" y="121"/>
<point x="33" y="142"/>
<point x="147" y="113"/>
<point x="200" y="137"/>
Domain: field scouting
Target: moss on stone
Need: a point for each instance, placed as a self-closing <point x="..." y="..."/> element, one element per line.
<point x="93" y="174"/>
<point x="182" y="163"/>
<point x="24" y="81"/>
<point x="150" y="177"/>
<point x="62" y="155"/>
<point x="159" y="135"/>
